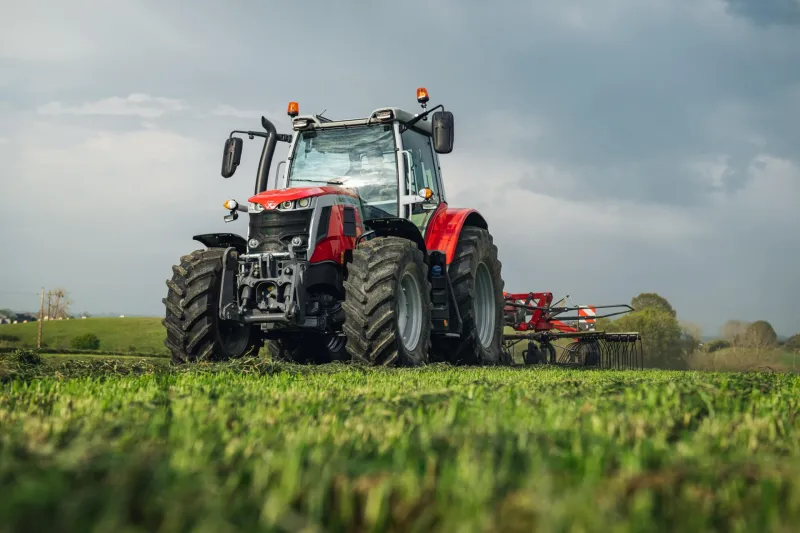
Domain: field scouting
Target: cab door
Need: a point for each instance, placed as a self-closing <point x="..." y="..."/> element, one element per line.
<point x="422" y="174"/>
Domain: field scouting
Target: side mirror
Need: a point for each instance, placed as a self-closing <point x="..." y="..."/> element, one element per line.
<point x="442" y="132"/>
<point x="231" y="156"/>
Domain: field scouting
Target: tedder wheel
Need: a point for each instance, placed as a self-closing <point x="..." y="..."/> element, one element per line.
<point x="532" y="355"/>
<point x="308" y="348"/>
<point x="195" y="332"/>
<point x="548" y="352"/>
<point x="387" y="303"/>
<point x="586" y="353"/>
<point x="592" y="357"/>
<point x="475" y="274"/>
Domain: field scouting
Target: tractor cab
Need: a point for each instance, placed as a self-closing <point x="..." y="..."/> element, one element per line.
<point x="389" y="159"/>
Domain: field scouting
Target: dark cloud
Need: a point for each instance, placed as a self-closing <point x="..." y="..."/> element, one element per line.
<point x="767" y="12"/>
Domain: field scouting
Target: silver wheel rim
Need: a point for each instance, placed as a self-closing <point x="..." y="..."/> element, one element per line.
<point x="409" y="311"/>
<point x="484" y="305"/>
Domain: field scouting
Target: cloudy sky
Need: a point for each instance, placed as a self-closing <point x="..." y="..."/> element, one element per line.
<point x="615" y="146"/>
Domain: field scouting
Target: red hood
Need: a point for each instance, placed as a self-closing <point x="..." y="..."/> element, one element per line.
<point x="271" y="199"/>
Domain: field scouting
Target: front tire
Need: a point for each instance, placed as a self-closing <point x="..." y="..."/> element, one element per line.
<point x="387" y="303"/>
<point x="476" y="276"/>
<point x="195" y="332"/>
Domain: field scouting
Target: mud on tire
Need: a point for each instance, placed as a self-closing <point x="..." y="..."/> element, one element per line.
<point x="194" y="330"/>
<point x="374" y="294"/>
<point x="476" y="276"/>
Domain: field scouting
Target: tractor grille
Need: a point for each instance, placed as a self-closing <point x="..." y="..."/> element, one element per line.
<point x="275" y="229"/>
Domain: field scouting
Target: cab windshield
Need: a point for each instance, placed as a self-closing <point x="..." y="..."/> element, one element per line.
<point x="361" y="158"/>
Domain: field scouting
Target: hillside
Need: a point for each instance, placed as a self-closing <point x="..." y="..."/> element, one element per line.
<point x="134" y="334"/>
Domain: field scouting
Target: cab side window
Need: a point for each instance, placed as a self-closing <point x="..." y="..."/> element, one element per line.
<point x="423" y="171"/>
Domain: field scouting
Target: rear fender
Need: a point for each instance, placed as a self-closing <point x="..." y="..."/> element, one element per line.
<point x="444" y="228"/>
<point x="222" y="240"/>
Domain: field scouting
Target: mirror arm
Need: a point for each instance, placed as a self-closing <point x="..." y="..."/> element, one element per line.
<point x="283" y="137"/>
<point x="250" y="134"/>
<point x="422" y="116"/>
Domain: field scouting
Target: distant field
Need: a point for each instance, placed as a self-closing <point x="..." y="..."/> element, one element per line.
<point x="132" y="335"/>
<point x="138" y="335"/>
<point x="132" y="445"/>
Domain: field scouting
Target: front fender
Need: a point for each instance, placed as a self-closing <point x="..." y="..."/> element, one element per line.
<point x="445" y="228"/>
<point x="398" y="227"/>
<point x="222" y="240"/>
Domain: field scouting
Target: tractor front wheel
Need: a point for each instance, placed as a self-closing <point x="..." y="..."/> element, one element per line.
<point x="475" y="274"/>
<point x="195" y="332"/>
<point x="387" y="303"/>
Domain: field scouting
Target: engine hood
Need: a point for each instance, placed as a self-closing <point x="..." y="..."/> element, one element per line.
<point x="272" y="199"/>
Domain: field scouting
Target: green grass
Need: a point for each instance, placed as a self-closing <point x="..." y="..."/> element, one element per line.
<point x="139" y="335"/>
<point x="92" y="445"/>
<point x="57" y="358"/>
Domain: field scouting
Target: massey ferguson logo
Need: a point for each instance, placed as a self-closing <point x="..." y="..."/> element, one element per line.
<point x="270" y="205"/>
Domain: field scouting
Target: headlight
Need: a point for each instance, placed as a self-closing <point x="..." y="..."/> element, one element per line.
<point x="305" y="202"/>
<point x="253" y="207"/>
<point x="286" y="205"/>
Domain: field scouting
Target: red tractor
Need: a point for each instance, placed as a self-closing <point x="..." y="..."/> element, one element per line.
<point x="355" y="254"/>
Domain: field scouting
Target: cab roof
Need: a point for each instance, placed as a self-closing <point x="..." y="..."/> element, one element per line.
<point x="402" y="115"/>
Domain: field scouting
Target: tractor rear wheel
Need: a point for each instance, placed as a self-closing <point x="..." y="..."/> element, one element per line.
<point x="195" y="332"/>
<point x="475" y="274"/>
<point x="387" y="303"/>
<point x="310" y="349"/>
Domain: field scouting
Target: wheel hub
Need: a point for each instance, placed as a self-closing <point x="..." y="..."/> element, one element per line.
<point x="485" y="304"/>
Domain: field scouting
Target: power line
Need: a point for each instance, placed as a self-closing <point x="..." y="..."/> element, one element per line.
<point x="25" y="293"/>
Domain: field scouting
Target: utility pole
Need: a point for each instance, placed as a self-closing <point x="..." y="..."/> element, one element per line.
<point x="41" y="321"/>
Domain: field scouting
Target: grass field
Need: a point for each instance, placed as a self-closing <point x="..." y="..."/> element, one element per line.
<point x="134" y="334"/>
<point x="130" y="445"/>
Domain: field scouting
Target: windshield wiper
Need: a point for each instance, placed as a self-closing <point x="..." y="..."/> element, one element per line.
<point x="315" y="181"/>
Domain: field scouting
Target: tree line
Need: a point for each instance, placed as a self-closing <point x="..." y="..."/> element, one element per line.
<point x="676" y="344"/>
<point x="57" y="304"/>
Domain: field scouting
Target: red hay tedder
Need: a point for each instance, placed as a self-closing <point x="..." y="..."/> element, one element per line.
<point x="355" y="254"/>
<point x="535" y="319"/>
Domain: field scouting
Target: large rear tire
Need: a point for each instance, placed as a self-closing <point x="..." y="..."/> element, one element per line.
<point x="476" y="276"/>
<point x="195" y="332"/>
<point x="387" y="303"/>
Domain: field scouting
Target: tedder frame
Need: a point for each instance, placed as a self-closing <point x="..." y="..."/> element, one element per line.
<point x="355" y="254"/>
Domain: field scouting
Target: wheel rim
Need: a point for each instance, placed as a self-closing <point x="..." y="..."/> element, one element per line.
<point x="409" y="311"/>
<point x="484" y="305"/>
